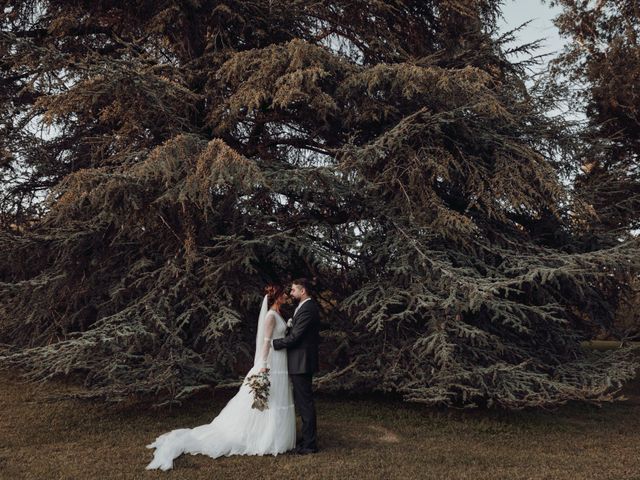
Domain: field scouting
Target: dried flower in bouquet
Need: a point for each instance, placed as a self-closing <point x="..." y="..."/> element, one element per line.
<point x="259" y="384"/>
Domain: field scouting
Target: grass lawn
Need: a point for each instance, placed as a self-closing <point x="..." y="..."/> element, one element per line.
<point x="371" y="437"/>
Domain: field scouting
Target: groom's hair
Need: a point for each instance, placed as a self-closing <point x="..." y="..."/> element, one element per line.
<point x="304" y="283"/>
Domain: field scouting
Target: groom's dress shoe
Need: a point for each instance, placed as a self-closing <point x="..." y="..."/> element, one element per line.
<point x="306" y="451"/>
<point x="300" y="450"/>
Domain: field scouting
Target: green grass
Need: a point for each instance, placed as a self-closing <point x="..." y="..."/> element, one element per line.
<point x="364" y="437"/>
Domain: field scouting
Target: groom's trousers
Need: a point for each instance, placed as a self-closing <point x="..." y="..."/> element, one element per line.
<point x="304" y="405"/>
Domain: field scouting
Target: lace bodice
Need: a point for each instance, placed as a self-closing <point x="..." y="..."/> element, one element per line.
<point x="280" y="324"/>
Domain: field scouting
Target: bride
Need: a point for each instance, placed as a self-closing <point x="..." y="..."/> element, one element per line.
<point x="239" y="429"/>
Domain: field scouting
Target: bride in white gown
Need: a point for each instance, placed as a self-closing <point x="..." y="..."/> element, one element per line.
<point x="239" y="429"/>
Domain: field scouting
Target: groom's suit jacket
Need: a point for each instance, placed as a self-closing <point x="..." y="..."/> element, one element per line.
<point x="302" y="340"/>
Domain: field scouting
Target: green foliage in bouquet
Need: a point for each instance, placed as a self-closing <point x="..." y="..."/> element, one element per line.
<point x="259" y="384"/>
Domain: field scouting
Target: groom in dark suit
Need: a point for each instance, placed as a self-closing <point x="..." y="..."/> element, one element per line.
<point x="301" y="342"/>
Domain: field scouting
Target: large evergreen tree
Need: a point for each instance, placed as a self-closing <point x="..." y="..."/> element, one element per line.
<point x="388" y="149"/>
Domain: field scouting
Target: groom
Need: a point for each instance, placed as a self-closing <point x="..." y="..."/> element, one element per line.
<point x="301" y="342"/>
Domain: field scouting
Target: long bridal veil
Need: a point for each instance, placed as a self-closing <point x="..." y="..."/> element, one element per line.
<point x="260" y="329"/>
<point x="239" y="429"/>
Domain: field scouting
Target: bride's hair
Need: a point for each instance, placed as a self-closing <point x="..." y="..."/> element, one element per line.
<point x="273" y="292"/>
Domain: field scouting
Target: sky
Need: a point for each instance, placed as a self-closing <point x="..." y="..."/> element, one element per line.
<point x="516" y="12"/>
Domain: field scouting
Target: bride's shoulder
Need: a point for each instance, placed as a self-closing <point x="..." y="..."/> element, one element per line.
<point x="274" y="313"/>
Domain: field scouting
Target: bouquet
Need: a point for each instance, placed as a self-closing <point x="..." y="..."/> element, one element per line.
<point x="259" y="384"/>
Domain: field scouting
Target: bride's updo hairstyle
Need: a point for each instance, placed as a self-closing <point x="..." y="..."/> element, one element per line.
<point x="274" y="292"/>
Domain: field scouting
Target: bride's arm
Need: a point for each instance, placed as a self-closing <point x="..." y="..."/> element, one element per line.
<point x="269" y="324"/>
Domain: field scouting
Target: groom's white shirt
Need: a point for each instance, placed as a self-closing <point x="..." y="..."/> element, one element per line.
<point x="295" y="311"/>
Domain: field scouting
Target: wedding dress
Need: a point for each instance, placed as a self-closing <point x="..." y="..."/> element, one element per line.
<point x="239" y="429"/>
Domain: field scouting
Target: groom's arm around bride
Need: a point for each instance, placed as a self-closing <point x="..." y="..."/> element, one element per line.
<point x="304" y="328"/>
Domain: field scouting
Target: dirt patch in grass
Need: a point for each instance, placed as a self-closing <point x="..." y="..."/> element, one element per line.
<point x="360" y="437"/>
